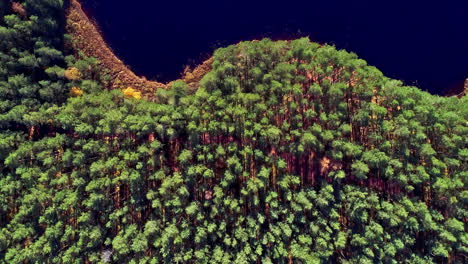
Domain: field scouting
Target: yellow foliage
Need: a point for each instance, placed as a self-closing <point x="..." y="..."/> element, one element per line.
<point x="137" y="95"/>
<point x="130" y="92"/>
<point x="76" y="91"/>
<point x="73" y="74"/>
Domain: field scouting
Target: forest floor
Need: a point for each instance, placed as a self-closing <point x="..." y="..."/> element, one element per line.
<point x="87" y="38"/>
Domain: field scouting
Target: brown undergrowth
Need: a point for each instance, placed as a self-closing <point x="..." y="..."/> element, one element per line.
<point x="87" y="38"/>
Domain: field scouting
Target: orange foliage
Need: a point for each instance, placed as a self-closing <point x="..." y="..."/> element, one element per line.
<point x="76" y="91"/>
<point x="19" y="9"/>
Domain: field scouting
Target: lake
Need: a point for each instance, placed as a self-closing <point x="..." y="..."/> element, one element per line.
<point x="422" y="44"/>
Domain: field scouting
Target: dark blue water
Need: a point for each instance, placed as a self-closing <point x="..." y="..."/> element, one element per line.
<point x="422" y="43"/>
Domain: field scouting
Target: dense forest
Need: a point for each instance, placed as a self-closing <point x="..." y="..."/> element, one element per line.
<point x="285" y="152"/>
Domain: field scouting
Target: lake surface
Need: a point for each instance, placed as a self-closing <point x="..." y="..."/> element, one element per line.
<point x="423" y="44"/>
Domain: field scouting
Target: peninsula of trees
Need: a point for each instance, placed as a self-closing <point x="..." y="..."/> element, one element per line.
<point x="283" y="152"/>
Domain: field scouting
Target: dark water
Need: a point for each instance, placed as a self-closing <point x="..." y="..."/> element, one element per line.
<point x="422" y="43"/>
